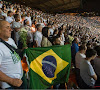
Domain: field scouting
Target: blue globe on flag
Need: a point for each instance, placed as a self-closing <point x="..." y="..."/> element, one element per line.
<point x="49" y="66"/>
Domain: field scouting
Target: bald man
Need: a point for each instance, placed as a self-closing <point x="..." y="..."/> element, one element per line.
<point x="10" y="67"/>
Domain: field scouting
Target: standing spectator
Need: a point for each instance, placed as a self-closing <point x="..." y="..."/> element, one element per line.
<point x="55" y="32"/>
<point x="86" y="70"/>
<point x="61" y="35"/>
<point x="78" y="59"/>
<point x="56" y="40"/>
<point x="1" y="4"/>
<point x="9" y="18"/>
<point x="28" y="17"/>
<point x="38" y="35"/>
<point x="16" y="27"/>
<point x="10" y="67"/>
<point x="45" y="42"/>
<point x="74" y="49"/>
<point x="97" y="65"/>
<point x="50" y="28"/>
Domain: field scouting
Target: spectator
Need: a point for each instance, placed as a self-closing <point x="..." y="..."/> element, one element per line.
<point x="38" y="35"/>
<point x="97" y="65"/>
<point x="56" y="40"/>
<point x="55" y="32"/>
<point x="74" y="49"/>
<point x="86" y="70"/>
<point x="61" y="35"/>
<point x="9" y="18"/>
<point x="28" y="18"/>
<point x="78" y="59"/>
<point x="45" y="42"/>
<point x="10" y="71"/>
<point x="16" y="27"/>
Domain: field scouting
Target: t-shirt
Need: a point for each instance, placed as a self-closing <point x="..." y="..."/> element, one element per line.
<point x="86" y="71"/>
<point x="9" y="19"/>
<point x="78" y="58"/>
<point x="29" y="19"/>
<point x="9" y="65"/>
<point x="97" y="65"/>
<point x="38" y="38"/>
<point x="1" y="5"/>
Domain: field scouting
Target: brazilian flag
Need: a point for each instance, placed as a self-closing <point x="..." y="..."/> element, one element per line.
<point x="48" y="66"/>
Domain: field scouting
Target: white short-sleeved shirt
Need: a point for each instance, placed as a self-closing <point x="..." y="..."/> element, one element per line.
<point x="9" y="19"/>
<point x="51" y="31"/>
<point x="38" y="38"/>
<point x="86" y="72"/>
<point x="78" y="58"/>
<point x="8" y="65"/>
<point x="29" y="19"/>
<point x="1" y="5"/>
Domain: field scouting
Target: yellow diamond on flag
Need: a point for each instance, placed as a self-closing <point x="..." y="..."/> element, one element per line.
<point x="37" y="65"/>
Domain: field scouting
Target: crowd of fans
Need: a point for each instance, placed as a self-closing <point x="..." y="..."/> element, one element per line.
<point x="45" y="30"/>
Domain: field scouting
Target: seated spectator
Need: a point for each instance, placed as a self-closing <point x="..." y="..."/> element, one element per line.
<point x="87" y="72"/>
<point x="45" y="42"/>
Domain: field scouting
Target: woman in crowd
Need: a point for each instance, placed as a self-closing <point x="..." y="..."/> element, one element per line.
<point x="45" y="42"/>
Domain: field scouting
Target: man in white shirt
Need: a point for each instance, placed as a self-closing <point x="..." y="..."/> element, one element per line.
<point x="86" y="70"/>
<point x="38" y="35"/>
<point x="29" y="18"/>
<point x="1" y="4"/>
<point x="50" y="28"/>
<point x="9" y="18"/>
<point x="78" y="59"/>
<point x="16" y="26"/>
<point x="10" y="66"/>
<point x="80" y="55"/>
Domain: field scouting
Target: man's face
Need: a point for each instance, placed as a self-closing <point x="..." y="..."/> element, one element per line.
<point x="18" y="18"/>
<point x="28" y="14"/>
<point x="5" y="30"/>
<point x="57" y="41"/>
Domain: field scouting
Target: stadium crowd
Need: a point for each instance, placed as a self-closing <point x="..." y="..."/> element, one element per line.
<point x="45" y="30"/>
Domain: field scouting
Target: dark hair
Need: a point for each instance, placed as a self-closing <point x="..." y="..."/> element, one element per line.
<point x="90" y="53"/>
<point x="82" y="47"/>
<point x="38" y="25"/>
<point x="45" y="31"/>
<point x="16" y="15"/>
<point x="54" y="38"/>
<point x="9" y="12"/>
<point x="97" y="48"/>
<point x="55" y="31"/>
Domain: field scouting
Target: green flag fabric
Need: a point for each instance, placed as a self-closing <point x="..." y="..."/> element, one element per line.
<point x="48" y="65"/>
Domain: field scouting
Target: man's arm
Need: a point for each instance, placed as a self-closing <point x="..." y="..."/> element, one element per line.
<point x="12" y="81"/>
<point x="94" y="77"/>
